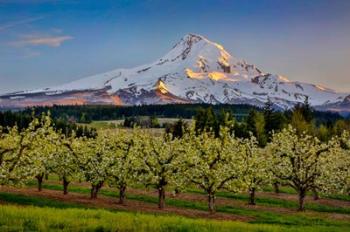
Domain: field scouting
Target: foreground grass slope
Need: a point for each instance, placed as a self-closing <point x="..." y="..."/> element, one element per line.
<point x="15" y="218"/>
<point x="28" y="210"/>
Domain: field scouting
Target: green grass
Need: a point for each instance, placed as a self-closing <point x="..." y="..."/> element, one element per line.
<point x="281" y="203"/>
<point x="259" y="216"/>
<point x="282" y="189"/>
<point x="13" y="218"/>
<point x="339" y="197"/>
<point x="36" y="201"/>
<point x="287" y="203"/>
<point x="289" y="190"/>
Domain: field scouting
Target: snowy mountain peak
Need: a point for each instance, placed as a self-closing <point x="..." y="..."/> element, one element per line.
<point x="194" y="70"/>
<point x="197" y="49"/>
<point x="189" y="40"/>
<point x="200" y="55"/>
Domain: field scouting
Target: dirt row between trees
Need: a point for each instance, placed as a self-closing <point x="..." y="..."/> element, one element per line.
<point x="221" y="201"/>
<point x="140" y="206"/>
<point x="203" y="197"/>
<point x="308" y="199"/>
<point x="112" y="203"/>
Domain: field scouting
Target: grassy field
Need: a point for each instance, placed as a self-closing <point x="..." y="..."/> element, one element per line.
<point x="14" y="218"/>
<point x="28" y="210"/>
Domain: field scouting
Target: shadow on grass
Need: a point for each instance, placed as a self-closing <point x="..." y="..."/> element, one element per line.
<point x="289" y="204"/>
<point x="259" y="215"/>
<point x="37" y="201"/>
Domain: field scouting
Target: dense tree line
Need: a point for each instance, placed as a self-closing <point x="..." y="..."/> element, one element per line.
<point x="22" y="120"/>
<point x="263" y="122"/>
<point x="87" y="113"/>
<point x="210" y="160"/>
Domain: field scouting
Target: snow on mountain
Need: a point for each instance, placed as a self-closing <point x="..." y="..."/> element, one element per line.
<point x="194" y="70"/>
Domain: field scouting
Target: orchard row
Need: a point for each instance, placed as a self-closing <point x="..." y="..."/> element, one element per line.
<point x="211" y="162"/>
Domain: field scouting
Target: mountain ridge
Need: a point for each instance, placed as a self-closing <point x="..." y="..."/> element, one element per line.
<point x="195" y="70"/>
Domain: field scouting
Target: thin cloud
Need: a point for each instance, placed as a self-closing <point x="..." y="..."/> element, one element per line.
<point x="12" y="24"/>
<point x="51" y="41"/>
<point x="31" y="54"/>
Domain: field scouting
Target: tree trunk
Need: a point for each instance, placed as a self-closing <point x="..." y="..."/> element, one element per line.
<point x="276" y="187"/>
<point x="40" y="181"/>
<point x="92" y="191"/>
<point x="95" y="189"/>
<point x="161" y="197"/>
<point x="65" y="186"/>
<point x="211" y="202"/>
<point x="251" y="196"/>
<point x="122" y="195"/>
<point x="301" y="194"/>
<point x="95" y="192"/>
<point x="98" y="188"/>
<point x="315" y="194"/>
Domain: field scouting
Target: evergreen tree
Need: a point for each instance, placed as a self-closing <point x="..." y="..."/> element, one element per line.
<point x="205" y="120"/>
<point x="225" y="119"/>
<point x="256" y="125"/>
<point x="299" y="122"/>
<point x="269" y="116"/>
<point x="177" y="129"/>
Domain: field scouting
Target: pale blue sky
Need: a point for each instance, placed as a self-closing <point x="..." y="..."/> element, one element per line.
<point x="47" y="42"/>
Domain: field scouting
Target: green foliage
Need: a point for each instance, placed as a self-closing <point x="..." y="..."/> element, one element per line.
<point x="339" y="127"/>
<point x="323" y="133"/>
<point x="22" y="120"/>
<point x="177" y="129"/>
<point x="300" y="123"/>
<point x="274" y="120"/>
<point x="84" y="118"/>
<point x="256" y="125"/>
<point x="206" y="120"/>
<point x="143" y="122"/>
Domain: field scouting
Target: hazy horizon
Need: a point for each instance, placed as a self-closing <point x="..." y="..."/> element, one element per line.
<point x="47" y="43"/>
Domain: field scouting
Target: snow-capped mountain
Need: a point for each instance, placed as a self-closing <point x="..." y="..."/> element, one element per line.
<point x="194" y="70"/>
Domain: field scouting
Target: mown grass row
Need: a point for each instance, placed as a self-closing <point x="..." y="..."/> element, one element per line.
<point x="260" y="216"/>
<point x="14" y="218"/>
<point x="273" y="202"/>
<point x="289" y="204"/>
<point x="20" y="199"/>
<point x="289" y="190"/>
